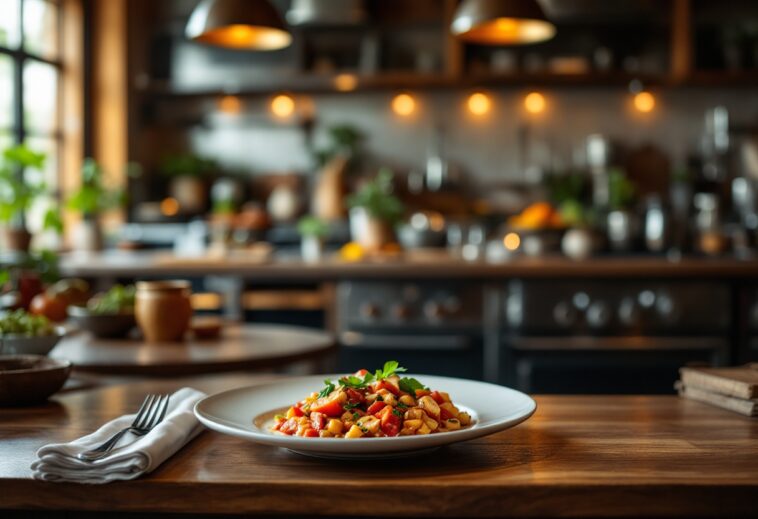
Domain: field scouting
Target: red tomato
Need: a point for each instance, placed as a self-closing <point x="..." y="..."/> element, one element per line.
<point x="318" y="421"/>
<point x="437" y="397"/>
<point x="375" y="407"/>
<point x="383" y="384"/>
<point x="422" y="392"/>
<point x="289" y="426"/>
<point x="52" y="307"/>
<point x="354" y="397"/>
<point x="311" y="433"/>
<point x="328" y="406"/>
<point x="361" y="373"/>
<point x="390" y="422"/>
<point x="297" y="411"/>
<point x="445" y="414"/>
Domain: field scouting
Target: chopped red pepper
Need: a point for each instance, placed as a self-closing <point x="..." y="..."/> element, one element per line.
<point x="375" y="407"/>
<point x="330" y="406"/>
<point x="311" y="433"/>
<point x="437" y="397"/>
<point x="445" y="414"/>
<point x="318" y="421"/>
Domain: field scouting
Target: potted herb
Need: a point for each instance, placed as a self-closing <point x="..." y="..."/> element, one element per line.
<point x="580" y="240"/>
<point x="187" y="174"/>
<point x="17" y="193"/>
<point x="312" y="231"/>
<point x="374" y="211"/>
<point x="621" y="223"/>
<point x="335" y="160"/>
<point x="91" y="200"/>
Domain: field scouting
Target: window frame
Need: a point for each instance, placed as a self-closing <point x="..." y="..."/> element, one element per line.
<point x="20" y="56"/>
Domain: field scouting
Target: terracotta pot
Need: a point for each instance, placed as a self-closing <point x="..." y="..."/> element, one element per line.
<point x="371" y="233"/>
<point x="163" y="309"/>
<point x="15" y="240"/>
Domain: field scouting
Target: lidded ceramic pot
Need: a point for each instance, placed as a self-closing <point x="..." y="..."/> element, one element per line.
<point x="163" y="309"/>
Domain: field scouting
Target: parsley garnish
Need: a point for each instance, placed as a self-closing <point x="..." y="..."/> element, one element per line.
<point x="402" y="405"/>
<point x="397" y="413"/>
<point x="356" y="416"/>
<point x="390" y="368"/>
<point x="380" y="398"/>
<point x="410" y="385"/>
<point x="354" y="382"/>
<point x="328" y="389"/>
<point x="350" y="406"/>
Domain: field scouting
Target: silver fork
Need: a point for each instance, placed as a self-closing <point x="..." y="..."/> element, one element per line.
<point x="151" y="413"/>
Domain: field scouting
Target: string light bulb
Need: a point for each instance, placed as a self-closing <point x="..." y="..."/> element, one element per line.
<point x="282" y="106"/>
<point x="511" y="241"/>
<point x="404" y="105"/>
<point x="479" y="103"/>
<point x="644" y="102"/>
<point x="345" y="82"/>
<point x="535" y="103"/>
<point x="230" y="104"/>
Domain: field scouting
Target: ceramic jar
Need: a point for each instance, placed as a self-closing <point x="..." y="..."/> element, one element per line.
<point x="163" y="309"/>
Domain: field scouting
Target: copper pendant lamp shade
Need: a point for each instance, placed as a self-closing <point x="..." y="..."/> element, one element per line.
<point x="238" y="24"/>
<point x="501" y="22"/>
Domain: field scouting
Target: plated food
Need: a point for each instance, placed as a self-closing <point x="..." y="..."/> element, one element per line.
<point x="25" y="333"/>
<point x="492" y="408"/>
<point x="108" y="314"/>
<point x="378" y="404"/>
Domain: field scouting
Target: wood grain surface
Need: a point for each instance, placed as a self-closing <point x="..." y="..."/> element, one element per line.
<point x="579" y="456"/>
<point x="239" y="347"/>
<point x="411" y="265"/>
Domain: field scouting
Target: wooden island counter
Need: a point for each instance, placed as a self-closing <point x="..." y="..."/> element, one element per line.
<point x="578" y="456"/>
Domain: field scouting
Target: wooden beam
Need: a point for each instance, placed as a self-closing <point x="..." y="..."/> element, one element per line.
<point x="681" y="40"/>
<point x="110" y="82"/>
<point x="72" y="101"/>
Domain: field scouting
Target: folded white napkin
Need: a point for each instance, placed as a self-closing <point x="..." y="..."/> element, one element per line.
<point x="58" y="461"/>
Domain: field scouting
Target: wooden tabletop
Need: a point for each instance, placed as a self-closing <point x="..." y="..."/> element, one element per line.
<point x="412" y="265"/>
<point x="239" y="347"/>
<point x="591" y="456"/>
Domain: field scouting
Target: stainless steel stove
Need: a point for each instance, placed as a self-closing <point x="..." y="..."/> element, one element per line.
<point x="429" y="327"/>
<point x="595" y="336"/>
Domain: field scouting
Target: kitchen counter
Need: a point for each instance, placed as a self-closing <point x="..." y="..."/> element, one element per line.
<point x="578" y="456"/>
<point x="417" y="265"/>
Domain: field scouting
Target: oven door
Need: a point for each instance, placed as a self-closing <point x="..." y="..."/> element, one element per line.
<point x="444" y="354"/>
<point x="606" y="365"/>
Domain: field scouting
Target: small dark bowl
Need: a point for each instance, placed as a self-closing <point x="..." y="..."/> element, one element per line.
<point x="105" y="326"/>
<point x="30" y="379"/>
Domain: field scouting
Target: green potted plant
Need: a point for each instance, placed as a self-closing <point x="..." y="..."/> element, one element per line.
<point x="621" y="223"/>
<point x="91" y="199"/>
<point x="334" y="161"/>
<point x="374" y="211"/>
<point x="312" y="231"/>
<point x="187" y="174"/>
<point x="17" y="193"/>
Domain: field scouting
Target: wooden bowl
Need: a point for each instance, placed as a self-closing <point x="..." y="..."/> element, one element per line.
<point x="30" y="379"/>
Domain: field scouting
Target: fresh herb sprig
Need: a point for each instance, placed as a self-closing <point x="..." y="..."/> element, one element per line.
<point x="410" y="385"/>
<point x="328" y="389"/>
<point x="390" y="368"/>
<point x="354" y="382"/>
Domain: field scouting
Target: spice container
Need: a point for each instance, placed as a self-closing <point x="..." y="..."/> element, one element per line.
<point x="163" y="309"/>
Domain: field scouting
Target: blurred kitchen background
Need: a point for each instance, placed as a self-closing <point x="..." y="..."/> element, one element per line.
<point x="559" y="195"/>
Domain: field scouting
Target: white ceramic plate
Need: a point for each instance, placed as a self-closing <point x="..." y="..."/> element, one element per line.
<point x="248" y="412"/>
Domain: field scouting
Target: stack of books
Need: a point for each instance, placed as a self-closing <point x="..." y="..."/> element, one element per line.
<point x="735" y="389"/>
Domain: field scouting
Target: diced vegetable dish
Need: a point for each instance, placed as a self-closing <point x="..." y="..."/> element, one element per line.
<point x="118" y="299"/>
<point x="21" y="322"/>
<point x="371" y="405"/>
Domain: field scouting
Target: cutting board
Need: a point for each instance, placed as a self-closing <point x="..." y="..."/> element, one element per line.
<point x="740" y="382"/>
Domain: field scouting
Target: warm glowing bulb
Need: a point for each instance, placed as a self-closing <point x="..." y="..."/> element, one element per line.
<point x="534" y="103"/>
<point x="404" y="105"/>
<point x="345" y="82"/>
<point x="282" y="106"/>
<point x="479" y="103"/>
<point x="644" y="102"/>
<point x="507" y="25"/>
<point x="230" y="104"/>
<point x="511" y="241"/>
<point x="169" y="207"/>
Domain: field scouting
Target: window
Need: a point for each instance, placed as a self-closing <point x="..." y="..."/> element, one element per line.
<point x="29" y="82"/>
